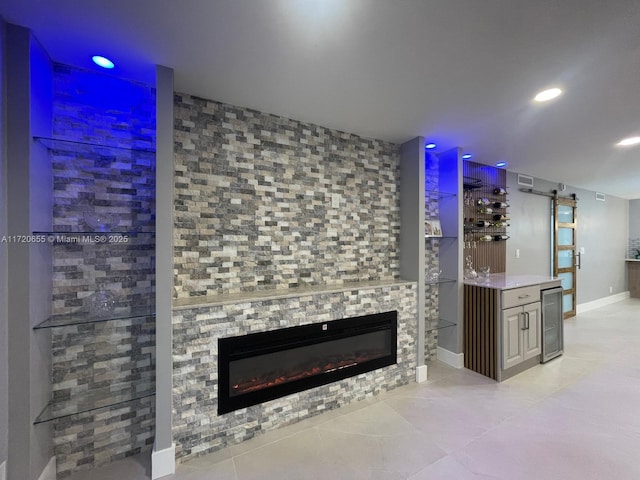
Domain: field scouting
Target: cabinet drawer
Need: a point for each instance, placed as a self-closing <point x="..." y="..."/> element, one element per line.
<point x="520" y="296"/>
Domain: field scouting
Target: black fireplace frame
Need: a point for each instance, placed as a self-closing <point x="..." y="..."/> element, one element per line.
<point x="245" y="346"/>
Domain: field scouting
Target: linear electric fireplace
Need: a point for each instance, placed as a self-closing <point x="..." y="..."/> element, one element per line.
<point x="263" y="366"/>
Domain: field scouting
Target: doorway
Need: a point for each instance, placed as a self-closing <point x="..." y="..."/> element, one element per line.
<point x="566" y="258"/>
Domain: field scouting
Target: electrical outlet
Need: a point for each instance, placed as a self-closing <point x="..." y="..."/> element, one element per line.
<point x="610" y="289"/>
<point x="517" y="253"/>
<point x="581" y="250"/>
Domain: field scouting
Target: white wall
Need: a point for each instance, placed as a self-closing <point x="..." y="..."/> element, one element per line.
<point x="634" y="218"/>
<point x="29" y="89"/>
<point x="530" y="229"/>
<point x="40" y="259"/>
<point x="603" y="230"/>
<point x="4" y="386"/>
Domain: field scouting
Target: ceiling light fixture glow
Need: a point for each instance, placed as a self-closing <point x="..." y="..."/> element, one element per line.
<point x="467" y="156"/>
<point x="103" y="62"/>
<point x="547" y="95"/>
<point x="627" y="142"/>
<point x="501" y="164"/>
<point x="430" y="146"/>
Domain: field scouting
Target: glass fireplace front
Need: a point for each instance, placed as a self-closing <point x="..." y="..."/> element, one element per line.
<point x="263" y="366"/>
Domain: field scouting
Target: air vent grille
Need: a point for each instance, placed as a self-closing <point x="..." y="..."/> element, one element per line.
<point x="525" y="181"/>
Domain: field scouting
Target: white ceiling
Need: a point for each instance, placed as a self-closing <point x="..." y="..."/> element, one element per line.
<point x="459" y="72"/>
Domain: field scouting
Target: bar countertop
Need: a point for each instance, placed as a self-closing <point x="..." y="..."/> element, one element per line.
<point x="502" y="281"/>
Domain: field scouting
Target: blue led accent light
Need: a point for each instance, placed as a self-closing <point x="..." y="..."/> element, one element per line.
<point x="467" y="156"/>
<point x="103" y="62"/>
<point x="430" y="146"/>
<point x="501" y="164"/>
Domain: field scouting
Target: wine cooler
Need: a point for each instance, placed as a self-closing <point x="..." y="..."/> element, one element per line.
<point x="552" y="324"/>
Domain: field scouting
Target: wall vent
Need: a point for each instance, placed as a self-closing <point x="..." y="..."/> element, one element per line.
<point x="525" y="181"/>
<point x="600" y="197"/>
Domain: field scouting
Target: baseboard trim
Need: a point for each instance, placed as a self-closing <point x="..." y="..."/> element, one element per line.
<point x="601" y="302"/>
<point x="421" y="373"/>
<point x="456" y="360"/>
<point x="49" y="472"/>
<point x="163" y="462"/>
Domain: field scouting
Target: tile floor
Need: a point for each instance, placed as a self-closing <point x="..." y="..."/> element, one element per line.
<point x="577" y="417"/>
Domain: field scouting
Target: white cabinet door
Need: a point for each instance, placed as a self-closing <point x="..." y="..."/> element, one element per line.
<point x="532" y="333"/>
<point x="512" y="348"/>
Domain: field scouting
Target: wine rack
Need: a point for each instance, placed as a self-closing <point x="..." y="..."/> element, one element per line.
<point x="486" y="216"/>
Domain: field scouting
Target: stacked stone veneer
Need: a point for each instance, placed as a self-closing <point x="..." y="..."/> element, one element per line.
<point x="265" y="202"/>
<point x="197" y="426"/>
<point x="432" y="257"/>
<point x="97" y="357"/>
<point x="634" y="247"/>
<point x="108" y="177"/>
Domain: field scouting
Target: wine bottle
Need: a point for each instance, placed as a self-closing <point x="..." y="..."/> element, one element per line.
<point x="499" y="191"/>
<point x="500" y="205"/>
<point x="485" y="210"/>
<point x="500" y="237"/>
<point x="483" y="224"/>
<point x="485" y="238"/>
<point x="500" y="218"/>
<point x="483" y="201"/>
<point x="499" y="225"/>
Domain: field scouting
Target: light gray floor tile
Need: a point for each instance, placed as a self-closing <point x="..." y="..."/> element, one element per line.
<point x="574" y="418"/>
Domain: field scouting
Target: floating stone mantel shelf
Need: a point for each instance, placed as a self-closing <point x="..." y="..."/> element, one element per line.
<point x="232" y="298"/>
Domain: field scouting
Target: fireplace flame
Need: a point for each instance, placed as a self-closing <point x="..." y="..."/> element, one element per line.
<point x="273" y="378"/>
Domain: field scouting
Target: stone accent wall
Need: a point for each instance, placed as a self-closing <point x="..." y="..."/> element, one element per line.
<point x="432" y="258"/>
<point x="265" y="202"/>
<point x="198" y="428"/>
<point x="103" y="436"/>
<point x="101" y="182"/>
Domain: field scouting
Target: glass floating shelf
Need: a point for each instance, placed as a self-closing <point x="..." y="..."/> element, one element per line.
<point x="440" y="194"/>
<point x="471" y="183"/>
<point x="91" y="238"/>
<point x="81" y="318"/>
<point x="75" y="147"/>
<point x="95" y="399"/>
<point x="439" y="280"/>
<point x="441" y="323"/>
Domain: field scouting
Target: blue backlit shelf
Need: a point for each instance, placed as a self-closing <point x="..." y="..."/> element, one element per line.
<point x="94" y="238"/>
<point x="87" y="148"/>
<point x="441" y="195"/>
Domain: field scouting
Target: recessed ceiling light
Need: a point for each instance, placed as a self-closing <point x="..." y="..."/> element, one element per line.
<point x="467" y="156"/>
<point x="547" y="95"/>
<point x="103" y="62"/>
<point x="430" y="146"/>
<point x="501" y="164"/>
<point x="627" y="142"/>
